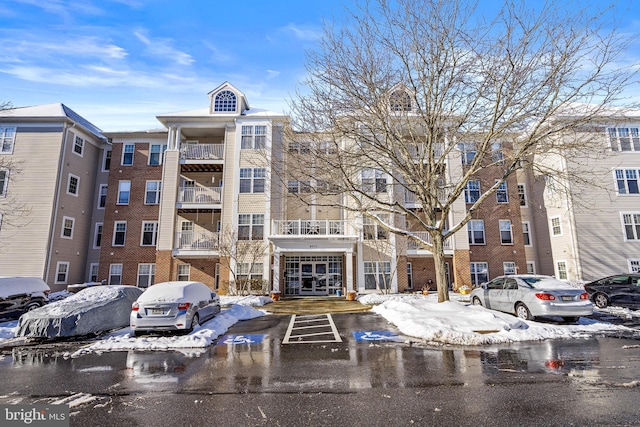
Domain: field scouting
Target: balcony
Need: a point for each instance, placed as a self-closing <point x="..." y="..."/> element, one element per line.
<point x="196" y="243"/>
<point x="415" y="248"/>
<point x="315" y="228"/>
<point x="410" y="198"/>
<point x="199" y="197"/>
<point x="201" y="151"/>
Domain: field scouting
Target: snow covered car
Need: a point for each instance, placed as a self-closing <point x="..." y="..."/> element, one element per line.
<point x="529" y="296"/>
<point x="173" y="306"/>
<point x="21" y="294"/>
<point x="91" y="311"/>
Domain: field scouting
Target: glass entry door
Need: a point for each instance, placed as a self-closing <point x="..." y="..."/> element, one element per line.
<point x="313" y="278"/>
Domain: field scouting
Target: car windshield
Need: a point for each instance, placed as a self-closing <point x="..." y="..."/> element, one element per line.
<point x="544" y="282"/>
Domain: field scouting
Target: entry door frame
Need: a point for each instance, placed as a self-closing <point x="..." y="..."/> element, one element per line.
<point x="310" y="279"/>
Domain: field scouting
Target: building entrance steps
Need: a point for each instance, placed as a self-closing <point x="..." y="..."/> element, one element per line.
<point x="314" y="305"/>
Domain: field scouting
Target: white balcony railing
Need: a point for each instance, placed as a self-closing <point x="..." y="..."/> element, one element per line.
<point x="196" y="240"/>
<point x="200" y="195"/>
<point x="305" y="227"/>
<point x="202" y="151"/>
<point x="412" y="244"/>
<point x="410" y="197"/>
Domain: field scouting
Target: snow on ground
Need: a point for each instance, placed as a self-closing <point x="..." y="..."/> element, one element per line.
<point x="252" y="300"/>
<point x="460" y="323"/>
<point x="201" y="337"/>
<point x="7" y="329"/>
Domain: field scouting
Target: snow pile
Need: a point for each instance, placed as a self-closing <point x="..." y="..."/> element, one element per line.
<point x="201" y="337"/>
<point x="455" y="322"/>
<point x="251" y="300"/>
<point x="8" y="329"/>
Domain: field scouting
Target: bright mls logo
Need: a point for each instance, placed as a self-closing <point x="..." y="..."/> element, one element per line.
<point x="35" y="415"/>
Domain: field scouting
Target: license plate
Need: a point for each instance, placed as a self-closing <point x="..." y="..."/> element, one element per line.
<point x="157" y="311"/>
<point x="564" y="298"/>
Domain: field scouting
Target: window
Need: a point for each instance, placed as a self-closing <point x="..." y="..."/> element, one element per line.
<point x="250" y="226"/>
<point x="372" y="230"/>
<point x="522" y="194"/>
<point x="526" y="233"/>
<point x="475" y="228"/>
<point x="106" y="165"/>
<point x="127" y="154"/>
<point x="624" y="139"/>
<point x="4" y="182"/>
<point x="72" y="185"/>
<point x="97" y="238"/>
<point x="468" y="151"/>
<point x="155" y="154"/>
<point x="62" y="271"/>
<point x="78" y="146"/>
<point x="146" y="275"/>
<point x="502" y="195"/>
<point x="531" y="267"/>
<point x="102" y="196"/>
<point x="119" y="233"/>
<point x="67" y="227"/>
<point x="252" y="180"/>
<point x="374" y="181"/>
<point x="7" y="139"/>
<point x="93" y="272"/>
<point x="561" y="267"/>
<point x="152" y="194"/>
<point x="293" y="186"/>
<point x="400" y="101"/>
<point x="409" y="276"/>
<point x="506" y="237"/>
<point x="225" y="102"/>
<point x="634" y="265"/>
<point x="509" y="268"/>
<point x="183" y="272"/>
<point x="497" y="155"/>
<point x="631" y="224"/>
<point x="149" y="233"/>
<point x="377" y="275"/>
<point x="472" y="191"/>
<point x="479" y="273"/>
<point x="556" y="228"/>
<point x="253" y="137"/>
<point x="124" y="191"/>
<point x="627" y="181"/>
<point x="249" y="271"/>
<point x="115" y="274"/>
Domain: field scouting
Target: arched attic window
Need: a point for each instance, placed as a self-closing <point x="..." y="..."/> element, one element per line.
<point x="225" y="101"/>
<point x="400" y="101"/>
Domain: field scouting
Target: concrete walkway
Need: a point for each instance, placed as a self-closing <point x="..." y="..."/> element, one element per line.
<point x="315" y="305"/>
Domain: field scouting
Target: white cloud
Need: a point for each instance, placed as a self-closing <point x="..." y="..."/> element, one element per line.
<point x="303" y="33"/>
<point x="161" y="47"/>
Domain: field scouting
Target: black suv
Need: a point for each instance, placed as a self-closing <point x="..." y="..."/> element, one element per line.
<point x="620" y="290"/>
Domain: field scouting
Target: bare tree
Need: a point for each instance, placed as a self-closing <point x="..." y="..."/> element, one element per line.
<point x="239" y="256"/>
<point x="405" y="89"/>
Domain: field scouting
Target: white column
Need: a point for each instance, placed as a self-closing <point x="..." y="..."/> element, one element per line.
<point x="349" y="270"/>
<point x="276" y="271"/>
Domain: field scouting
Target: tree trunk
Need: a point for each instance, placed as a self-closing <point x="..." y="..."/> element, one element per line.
<point x="439" y="263"/>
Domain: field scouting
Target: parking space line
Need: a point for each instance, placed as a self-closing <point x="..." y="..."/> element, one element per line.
<point x="301" y="322"/>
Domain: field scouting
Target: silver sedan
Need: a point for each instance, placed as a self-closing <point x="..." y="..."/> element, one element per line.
<point x="530" y="296"/>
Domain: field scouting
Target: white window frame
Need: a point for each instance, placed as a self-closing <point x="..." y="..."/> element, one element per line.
<point x="624" y="135"/>
<point x="409" y="275"/>
<point x="153" y="231"/>
<point x="634" y="265"/>
<point x="249" y="271"/>
<point x="60" y="271"/>
<point x="125" y="152"/>
<point x="150" y="274"/>
<point x="106" y="156"/>
<point x="522" y="195"/>
<point x="476" y="269"/>
<point x="121" y="191"/>
<point x="502" y="223"/>
<point x="224" y="101"/>
<point x="503" y="191"/>
<point x="372" y="230"/>
<point x="381" y="272"/>
<point x="115" y="270"/>
<point x="374" y="180"/>
<point x="562" y="270"/>
<point x="623" y="179"/>
<point x="473" y="186"/>
<point x="554" y="226"/>
<point x="468" y="151"/>
<point x="531" y="267"/>
<point x="4" y="184"/>
<point x="64" y="227"/>
<point x="102" y="195"/>
<point x="634" y="225"/>
<point x="254" y="175"/>
<point x="7" y="143"/>
<point x="160" y="154"/>
<point x="115" y="233"/>
<point x="471" y="230"/>
<point x="253" y="137"/>
<point x="526" y="231"/>
<point x="181" y="275"/>
<point x="78" y="142"/>
<point x="94" y="269"/>
<point x="254" y="222"/>
<point x="157" y="192"/>
<point x="69" y="178"/>
<point x="509" y="268"/>
<point x="98" y="231"/>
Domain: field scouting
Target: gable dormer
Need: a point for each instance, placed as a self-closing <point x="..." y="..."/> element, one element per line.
<point x="400" y="99"/>
<point x="226" y="99"/>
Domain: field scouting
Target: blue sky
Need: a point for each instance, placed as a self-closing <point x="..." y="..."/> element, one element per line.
<point x="119" y="63"/>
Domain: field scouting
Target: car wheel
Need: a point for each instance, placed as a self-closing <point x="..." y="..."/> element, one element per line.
<point x="195" y="321"/>
<point x="523" y="312"/>
<point x="571" y="319"/>
<point x="476" y="301"/>
<point x="601" y="300"/>
<point x="32" y="307"/>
